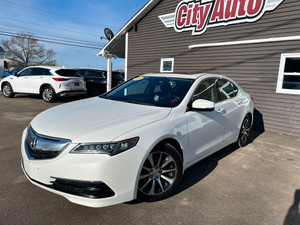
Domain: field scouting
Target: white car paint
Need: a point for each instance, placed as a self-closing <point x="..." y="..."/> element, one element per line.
<point x="198" y="133"/>
<point x="31" y="84"/>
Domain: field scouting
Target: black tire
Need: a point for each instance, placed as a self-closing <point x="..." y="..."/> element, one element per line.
<point x="161" y="177"/>
<point x="244" y="132"/>
<point x="48" y="94"/>
<point x="7" y="90"/>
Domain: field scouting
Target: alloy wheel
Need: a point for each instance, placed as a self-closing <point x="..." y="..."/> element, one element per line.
<point x="245" y="131"/>
<point x="48" y="94"/>
<point x="6" y="91"/>
<point x="158" y="174"/>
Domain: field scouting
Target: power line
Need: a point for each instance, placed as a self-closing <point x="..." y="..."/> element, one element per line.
<point x="49" y="13"/>
<point x="21" y="29"/>
<point x="52" y="27"/>
<point x="50" y="40"/>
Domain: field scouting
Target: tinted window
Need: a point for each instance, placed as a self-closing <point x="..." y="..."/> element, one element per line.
<point x="226" y="90"/>
<point x="117" y="76"/>
<point x="67" y="73"/>
<point x="157" y="91"/>
<point x="206" y="90"/>
<point x="91" y="73"/>
<point x="40" y="71"/>
<point x="27" y="72"/>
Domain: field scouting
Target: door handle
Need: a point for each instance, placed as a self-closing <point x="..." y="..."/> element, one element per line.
<point x="220" y="111"/>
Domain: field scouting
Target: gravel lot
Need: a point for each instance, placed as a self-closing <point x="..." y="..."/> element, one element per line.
<point x="257" y="184"/>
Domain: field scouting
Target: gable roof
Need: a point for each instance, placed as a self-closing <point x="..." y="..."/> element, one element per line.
<point x="116" y="46"/>
<point x="1" y="50"/>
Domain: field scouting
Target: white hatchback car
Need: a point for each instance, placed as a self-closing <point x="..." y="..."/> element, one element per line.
<point x="136" y="140"/>
<point x="46" y="81"/>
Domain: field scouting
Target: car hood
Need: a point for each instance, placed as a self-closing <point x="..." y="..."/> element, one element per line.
<point x="95" y="119"/>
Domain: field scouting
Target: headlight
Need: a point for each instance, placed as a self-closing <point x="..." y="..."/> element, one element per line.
<point x="111" y="148"/>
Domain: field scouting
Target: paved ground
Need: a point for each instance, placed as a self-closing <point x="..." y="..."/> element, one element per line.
<point x="258" y="184"/>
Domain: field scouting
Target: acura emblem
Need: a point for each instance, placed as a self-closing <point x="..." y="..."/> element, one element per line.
<point x="33" y="142"/>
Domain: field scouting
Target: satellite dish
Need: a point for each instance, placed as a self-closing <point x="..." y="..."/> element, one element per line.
<point x="108" y="33"/>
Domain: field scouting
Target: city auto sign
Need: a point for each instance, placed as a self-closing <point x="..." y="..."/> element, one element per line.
<point x="198" y="15"/>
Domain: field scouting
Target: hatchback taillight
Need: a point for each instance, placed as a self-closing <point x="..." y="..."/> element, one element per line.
<point x="252" y="99"/>
<point x="61" y="79"/>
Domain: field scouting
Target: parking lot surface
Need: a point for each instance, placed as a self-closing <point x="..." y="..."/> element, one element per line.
<point x="257" y="184"/>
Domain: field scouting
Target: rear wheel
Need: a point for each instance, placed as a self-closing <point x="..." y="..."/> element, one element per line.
<point x="7" y="90"/>
<point x="244" y="132"/>
<point x="161" y="173"/>
<point x="48" y="94"/>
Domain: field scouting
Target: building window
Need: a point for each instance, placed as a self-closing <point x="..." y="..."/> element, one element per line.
<point x="289" y="74"/>
<point x="167" y="65"/>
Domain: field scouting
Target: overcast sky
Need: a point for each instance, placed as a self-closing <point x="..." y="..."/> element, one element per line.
<point x="76" y="22"/>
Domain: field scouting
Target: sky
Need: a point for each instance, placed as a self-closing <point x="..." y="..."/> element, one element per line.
<point x="75" y="22"/>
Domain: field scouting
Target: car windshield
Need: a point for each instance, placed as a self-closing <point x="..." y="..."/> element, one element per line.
<point x="117" y="76"/>
<point x="67" y="73"/>
<point x="16" y="70"/>
<point x="157" y="91"/>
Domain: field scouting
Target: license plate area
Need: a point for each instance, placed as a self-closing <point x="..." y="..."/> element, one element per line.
<point x="76" y="83"/>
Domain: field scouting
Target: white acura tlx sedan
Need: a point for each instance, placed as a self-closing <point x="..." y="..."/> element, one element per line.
<point x="136" y="140"/>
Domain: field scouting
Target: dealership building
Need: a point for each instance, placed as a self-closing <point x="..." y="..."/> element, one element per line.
<point x="254" y="42"/>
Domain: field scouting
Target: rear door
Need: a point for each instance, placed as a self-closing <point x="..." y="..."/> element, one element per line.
<point x="37" y="79"/>
<point x="231" y="102"/>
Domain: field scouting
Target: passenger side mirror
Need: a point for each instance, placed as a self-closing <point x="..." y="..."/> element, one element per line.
<point x="203" y="105"/>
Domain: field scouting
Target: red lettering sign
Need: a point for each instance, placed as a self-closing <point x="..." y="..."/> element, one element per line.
<point x="198" y="15"/>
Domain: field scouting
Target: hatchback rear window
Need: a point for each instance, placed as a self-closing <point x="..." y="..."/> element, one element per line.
<point x="67" y="73"/>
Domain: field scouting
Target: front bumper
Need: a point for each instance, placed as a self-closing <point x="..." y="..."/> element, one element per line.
<point x="71" y="175"/>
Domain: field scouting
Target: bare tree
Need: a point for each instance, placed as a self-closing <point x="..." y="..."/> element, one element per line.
<point x="24" y="50"/>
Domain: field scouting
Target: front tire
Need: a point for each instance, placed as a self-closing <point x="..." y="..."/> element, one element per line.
<point x="244" y="132"/>
<point x="161" y="173"/>
<point x="48" y="94"/>
<point x="7" y="91"/>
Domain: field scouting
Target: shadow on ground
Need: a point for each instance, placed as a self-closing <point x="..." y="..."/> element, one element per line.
<point x="293" y="215"/>
<point x="200" y="170"/>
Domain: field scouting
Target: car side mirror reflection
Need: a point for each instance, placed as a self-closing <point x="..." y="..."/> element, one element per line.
<point x="203" y="105"/>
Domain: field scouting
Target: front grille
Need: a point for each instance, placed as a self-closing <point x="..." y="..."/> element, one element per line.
<point x="86" y="189"/>
<point x="36" y="154"/>
<point x="43" y="147"/>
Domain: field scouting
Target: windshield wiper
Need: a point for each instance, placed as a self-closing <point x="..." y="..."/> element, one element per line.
<point x="137" y="102"/>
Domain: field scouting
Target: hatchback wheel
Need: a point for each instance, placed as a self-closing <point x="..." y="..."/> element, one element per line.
<point x="161" y="173"/>
<point x="48" y="94"/>
<point x="244" y="132"/>
<point x="7" y="91"/>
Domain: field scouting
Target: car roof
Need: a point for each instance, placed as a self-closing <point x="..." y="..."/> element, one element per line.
<point x="90" y="69"/>
<point x="49" y="67"/>
<point x="186" y="76"/>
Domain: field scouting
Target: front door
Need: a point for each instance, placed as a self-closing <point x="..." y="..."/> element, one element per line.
<point x="205" y="129"/>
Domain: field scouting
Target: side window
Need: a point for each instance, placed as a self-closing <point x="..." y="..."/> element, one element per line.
<point x="206" y="90"/>
<point x="226" y="90"/>
<point x="41" y="71"/>
<point x="27" y="72"/>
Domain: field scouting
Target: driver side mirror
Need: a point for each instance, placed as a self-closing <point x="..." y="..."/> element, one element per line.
<point x="16" y="75"/>
<point x="203" y="105"/>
